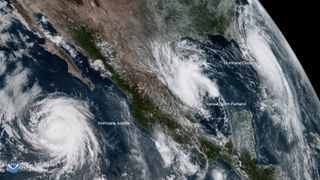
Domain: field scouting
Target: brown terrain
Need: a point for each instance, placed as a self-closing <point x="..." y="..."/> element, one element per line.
<point x="128" y="28"/>
<point x="123" y="24"/>
<point x="51" y="46"/>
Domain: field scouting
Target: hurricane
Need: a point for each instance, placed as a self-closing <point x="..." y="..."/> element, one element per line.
<point x="60" y="128"/>
<point x="153" y="89"/>
<point x="57" y="130"/>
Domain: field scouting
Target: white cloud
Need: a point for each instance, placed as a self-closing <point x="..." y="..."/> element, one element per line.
<point x="173" y="156"/>
<point x="182" y="72"/>
<point x="218" y="174"/>
<point x="13" y="98"/>
<point x="261" y="38"/>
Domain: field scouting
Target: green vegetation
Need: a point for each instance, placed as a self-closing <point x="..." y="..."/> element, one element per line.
<point x="145" y="111"/>
<point x="230" y="148"/>
<point x="215" y="152"/>
<point x="254" y="171"/>
<point x="85" y="38"/>
<point x="249" y="164"/>
<point x="185" y="2"/>
<point x="171" y="16"/>
<point x="207" y="21"/>
<point x="198" y="155"/>
<point x="181" y="137"/>
<point x="211" y="150"/>
<point x="147" y="114"/>
<point x="203" y="16"/>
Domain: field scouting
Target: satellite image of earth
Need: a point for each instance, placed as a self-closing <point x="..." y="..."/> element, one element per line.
<point x="152" y="89"/>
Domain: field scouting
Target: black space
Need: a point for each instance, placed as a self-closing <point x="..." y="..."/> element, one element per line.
<point x="299" y="21"/>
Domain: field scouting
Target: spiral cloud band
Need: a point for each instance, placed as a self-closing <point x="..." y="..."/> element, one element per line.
<point x="60" y="127"/>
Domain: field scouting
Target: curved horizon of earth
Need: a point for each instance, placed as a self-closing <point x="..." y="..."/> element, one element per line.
<point x="152" y="90"/>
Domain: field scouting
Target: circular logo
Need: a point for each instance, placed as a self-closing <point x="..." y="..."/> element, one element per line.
<point x="13" y="167"/>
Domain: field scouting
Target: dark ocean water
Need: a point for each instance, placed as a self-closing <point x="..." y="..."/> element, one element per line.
<point x="107" y="104"/>
<point x="128" y="151"/>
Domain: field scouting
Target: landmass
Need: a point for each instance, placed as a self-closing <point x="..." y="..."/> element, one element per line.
<point x="119" y="33"/>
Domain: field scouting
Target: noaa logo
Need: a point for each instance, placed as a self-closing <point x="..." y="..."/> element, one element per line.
<point x="13" y="166"/>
